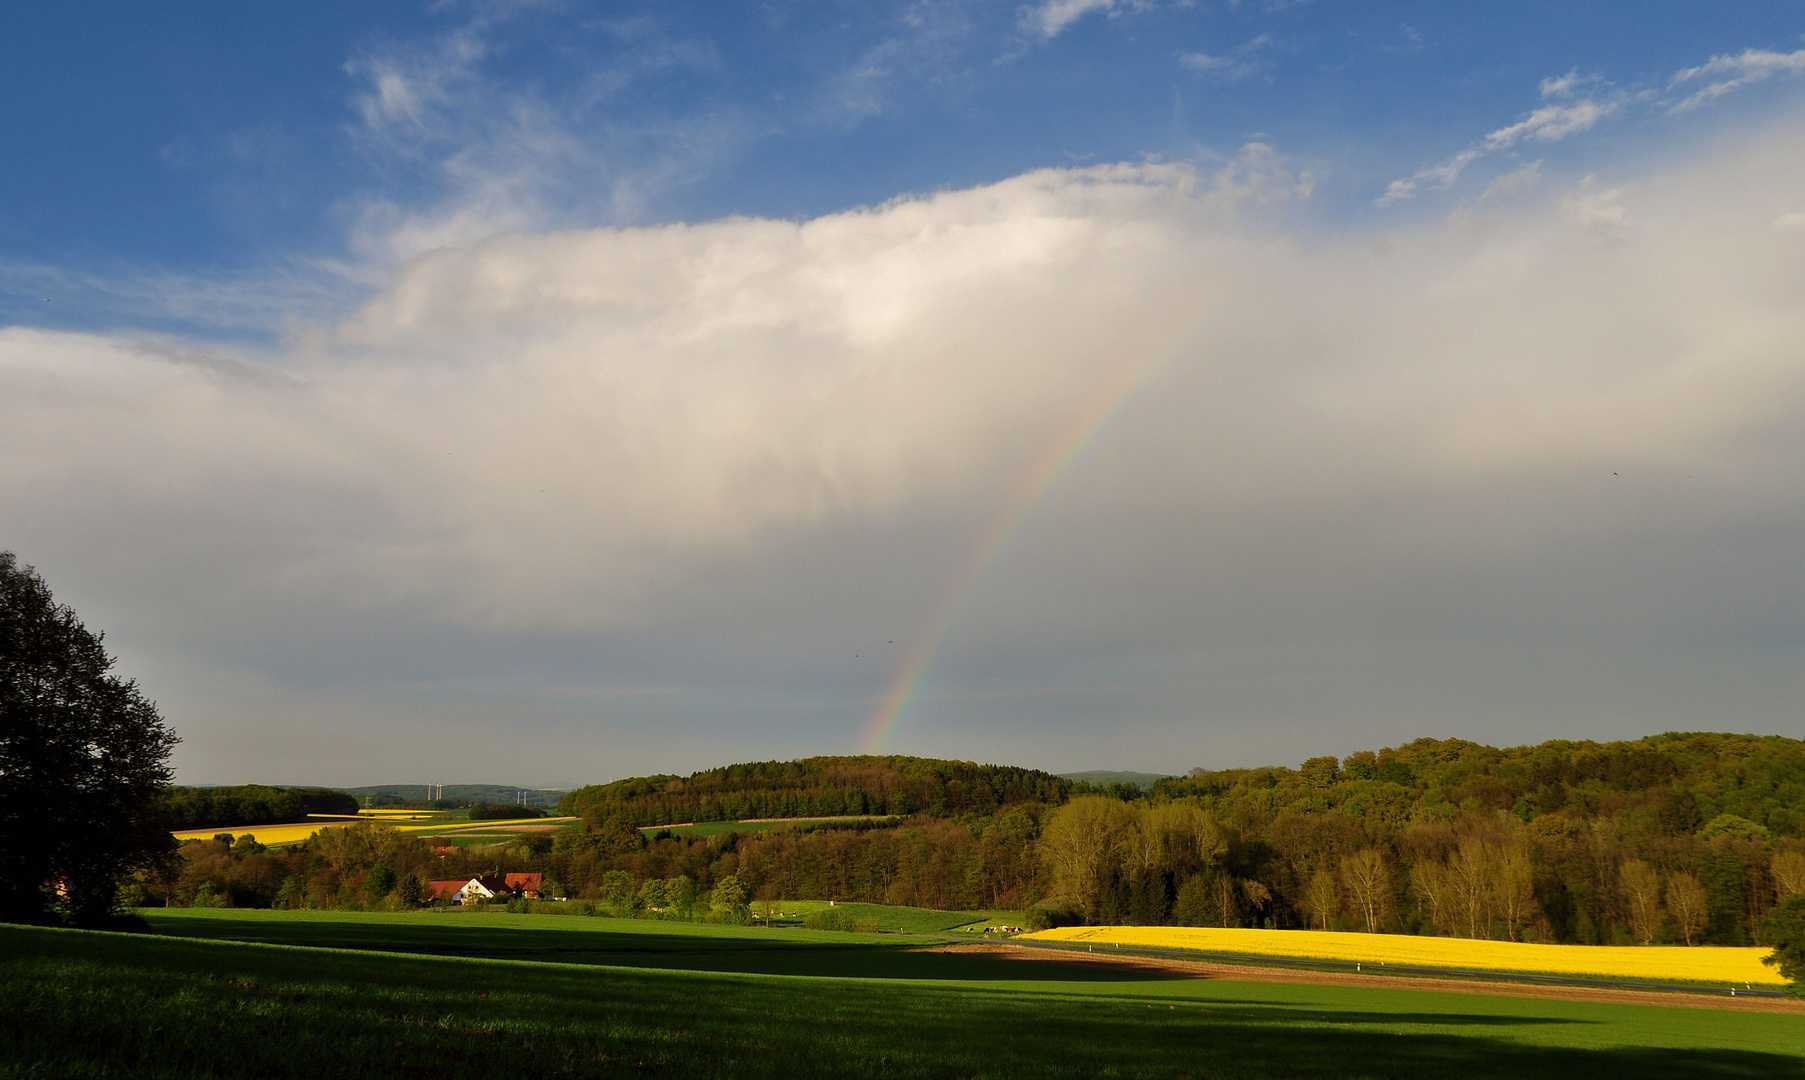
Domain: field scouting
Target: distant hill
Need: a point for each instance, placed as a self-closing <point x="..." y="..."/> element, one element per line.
<point x="819" y="787"/>
<point x="490" y="793"/>
<point x="1561" y="842"/>
<point x="1661" y="786"/>
<point x="249" y="804"/>
<point x="1106" y="777"/>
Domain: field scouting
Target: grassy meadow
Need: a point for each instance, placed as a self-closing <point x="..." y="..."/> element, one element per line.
<point x="225" y="993"/>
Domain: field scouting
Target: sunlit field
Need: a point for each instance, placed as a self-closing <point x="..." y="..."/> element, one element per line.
<point x="1652" y="962"/>
<point x="294" y="833"/>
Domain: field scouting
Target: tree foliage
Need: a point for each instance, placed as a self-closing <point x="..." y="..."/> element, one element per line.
<point x="1785" y="931"/>
<point x="83" y="761"/>
<point x="250" y="804"/>
<point x="1667" y="839"/>
<point x="818" y="787"/>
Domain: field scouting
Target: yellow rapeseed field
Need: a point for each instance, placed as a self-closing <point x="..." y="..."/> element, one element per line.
<point x="289" y="834"/>
<point x="265" y="834"/>
<point x="1660" y="962"/>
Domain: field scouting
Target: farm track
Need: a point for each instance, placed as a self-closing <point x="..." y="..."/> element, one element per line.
<point x="1336" y="973"/>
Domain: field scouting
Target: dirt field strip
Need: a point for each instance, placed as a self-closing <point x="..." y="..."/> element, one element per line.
<point x="1204" y="969"/>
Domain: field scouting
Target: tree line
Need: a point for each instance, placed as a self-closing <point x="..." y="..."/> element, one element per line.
<point x="818" y="787"/>
<point x="1675" y="838"/>
<point x="250" y="804"/>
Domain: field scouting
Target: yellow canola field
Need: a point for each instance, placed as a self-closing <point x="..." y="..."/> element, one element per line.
<point x="1673" y="963"/>
<point x="265" y="834"/>
<point x="289" y="834"/>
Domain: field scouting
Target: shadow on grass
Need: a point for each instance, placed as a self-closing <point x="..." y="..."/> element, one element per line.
<point x="78" y="1003"/>
<point x="760" y="955"/>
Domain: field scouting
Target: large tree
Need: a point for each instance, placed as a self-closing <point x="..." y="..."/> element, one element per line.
<point x="83" y="762"/>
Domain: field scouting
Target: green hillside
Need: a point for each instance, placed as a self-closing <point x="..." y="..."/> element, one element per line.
<point x="1678" y="838"/>
<point x="465" y="793"/>
<point x="818" y="787"/>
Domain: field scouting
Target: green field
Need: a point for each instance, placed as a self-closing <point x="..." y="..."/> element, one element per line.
<point x="266" y="994"/>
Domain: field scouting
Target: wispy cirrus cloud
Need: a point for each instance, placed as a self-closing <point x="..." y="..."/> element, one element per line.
<point x="468" y="152"/>
<point x="1728" y="73"/>
<point x="1048" y="20"/>
<point x="1550" y="123"/>
<point x="925" y="46"/>
<point x="1244" y="61"/>
<point x="1577" y="103"/>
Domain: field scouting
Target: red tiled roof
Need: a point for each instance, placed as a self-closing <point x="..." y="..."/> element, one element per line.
<point x="445" y="890"/>
<point x="525" y="881"/>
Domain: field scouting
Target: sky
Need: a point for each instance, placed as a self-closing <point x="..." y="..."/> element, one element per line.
<point x="545" y="393"/>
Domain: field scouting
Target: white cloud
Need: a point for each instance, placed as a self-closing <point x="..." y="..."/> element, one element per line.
<point x="1515" y="183"/>
<point x="1590" y="205"/>
<point x="554" y="429"/>
<point x="1047" y="20"/>
<point x="1242" y="62"/>
<point x="1550" y="123"/>
<point x="1262" y="175"/>
<point x="1792" y="219"/>
<point x="1727" y="73"/>
<point x="1565" y="85"/>
<point x="706" y="456"/>
<point x="1559" y="120"/>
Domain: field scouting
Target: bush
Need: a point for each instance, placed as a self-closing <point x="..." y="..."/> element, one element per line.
<point x="829" y="919"/>
<point x="839" y="919"/>
<point x="1054" y="911"/>
<point x="379" y="882"/>
<point x="1785" y="931"/>
<point x="727" y="903"/>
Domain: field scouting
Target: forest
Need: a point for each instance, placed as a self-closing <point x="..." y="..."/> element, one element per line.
<point x="891" y="786"/>
<point x="250" y="804"/>
<point x="1683" y="838"/>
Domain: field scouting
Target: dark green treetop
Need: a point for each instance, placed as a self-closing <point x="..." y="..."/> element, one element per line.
<point x="83" y="762"/>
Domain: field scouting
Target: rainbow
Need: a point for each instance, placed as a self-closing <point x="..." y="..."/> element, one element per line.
<point x="1043" y="472"/>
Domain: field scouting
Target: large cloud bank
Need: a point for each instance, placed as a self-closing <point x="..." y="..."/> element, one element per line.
<point x="565" y="432"/>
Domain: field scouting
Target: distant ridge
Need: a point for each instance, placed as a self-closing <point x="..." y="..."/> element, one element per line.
<point x="1106" y="777"/>
<point x="865" y="785"/>
<point x="493" y="793"/>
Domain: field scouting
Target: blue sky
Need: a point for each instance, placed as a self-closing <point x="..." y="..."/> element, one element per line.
<point x="539" y="393"/>
<point x="229" y="140"/>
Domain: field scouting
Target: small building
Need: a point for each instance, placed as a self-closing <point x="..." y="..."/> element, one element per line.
<point x="488" y="887"/>
<point x="527" y="886"/>
<point x="447" y="890"/>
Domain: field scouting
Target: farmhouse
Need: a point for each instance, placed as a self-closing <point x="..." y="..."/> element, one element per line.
<point x="447" y="890"/>
<point x="488" y="887"/>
